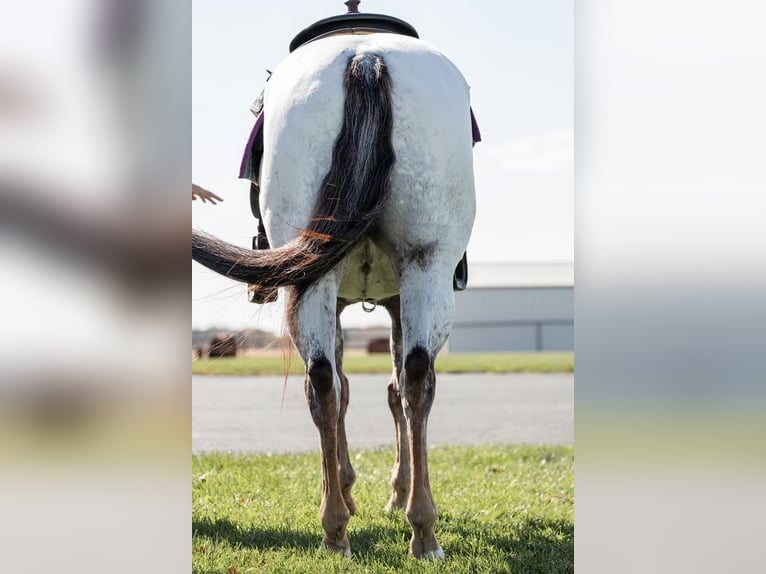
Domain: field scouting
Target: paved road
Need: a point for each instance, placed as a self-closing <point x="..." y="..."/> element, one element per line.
<point x="242" y="414"/>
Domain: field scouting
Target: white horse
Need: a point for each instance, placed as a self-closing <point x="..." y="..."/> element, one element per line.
<point x="367" y="194"/>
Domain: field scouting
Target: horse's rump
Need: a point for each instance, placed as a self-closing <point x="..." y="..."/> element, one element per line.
<point x="317" y="216"/>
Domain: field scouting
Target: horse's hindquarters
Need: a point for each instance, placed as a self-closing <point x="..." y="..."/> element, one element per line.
<point x="432" y="177"/>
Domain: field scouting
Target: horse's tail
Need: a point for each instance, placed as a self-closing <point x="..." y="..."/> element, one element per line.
<point x="352" y="195"/>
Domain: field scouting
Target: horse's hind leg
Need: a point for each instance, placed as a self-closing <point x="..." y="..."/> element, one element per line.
<point x="347" y="475"/>
<point x="427" y="304"/>
<point x="313" y="331"/>
<point x="400" y="474"/>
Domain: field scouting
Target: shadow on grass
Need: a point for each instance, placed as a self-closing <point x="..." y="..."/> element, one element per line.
<point x="255" y="537"/>
<point x="364" y="538"/>
<point x="531" y="545"/>
<point x="528" y="545"/>
<point x="544" y="546"/>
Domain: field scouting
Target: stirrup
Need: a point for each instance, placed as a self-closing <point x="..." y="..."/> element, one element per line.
<point x="460" y="278"/>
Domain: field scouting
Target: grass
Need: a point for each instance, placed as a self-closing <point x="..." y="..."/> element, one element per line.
<point x="502" y="509"/>
<point x="381" y="363"/>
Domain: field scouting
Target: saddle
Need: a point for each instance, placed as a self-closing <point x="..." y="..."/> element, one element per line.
<point x="352" y="22"/>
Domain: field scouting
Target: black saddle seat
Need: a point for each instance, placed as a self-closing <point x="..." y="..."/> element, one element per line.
<point x="352" y="23"/>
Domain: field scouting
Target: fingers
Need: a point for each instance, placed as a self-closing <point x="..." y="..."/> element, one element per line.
<point x="210" y="197"/>
<point x="205" y="195"/>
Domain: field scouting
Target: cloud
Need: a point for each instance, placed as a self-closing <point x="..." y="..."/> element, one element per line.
<point x="552" y="151"/>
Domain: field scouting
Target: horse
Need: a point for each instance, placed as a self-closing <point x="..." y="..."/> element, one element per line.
<point x="367" y="195"/>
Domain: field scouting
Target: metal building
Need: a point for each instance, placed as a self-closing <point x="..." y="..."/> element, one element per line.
<point x="515" y="307"/>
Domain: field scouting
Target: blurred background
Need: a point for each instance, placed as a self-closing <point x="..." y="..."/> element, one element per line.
<point x="669" y="384"/>
<point x="94" y="396"/>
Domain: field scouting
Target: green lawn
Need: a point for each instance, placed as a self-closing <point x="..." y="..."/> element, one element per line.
<point x="381" y="363"/>
<point x="502" y="509"/>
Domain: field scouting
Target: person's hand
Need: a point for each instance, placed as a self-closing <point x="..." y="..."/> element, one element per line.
<point x="204" y="194"/>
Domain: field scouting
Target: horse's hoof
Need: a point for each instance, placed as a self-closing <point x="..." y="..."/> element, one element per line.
<point x="437" y="554"/>
<point x="345" y="550"/>
<point x="395" y="503"/>
<point x="426" y="548"/>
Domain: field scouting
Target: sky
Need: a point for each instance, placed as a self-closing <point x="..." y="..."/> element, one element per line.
<point x="516" y="56"/>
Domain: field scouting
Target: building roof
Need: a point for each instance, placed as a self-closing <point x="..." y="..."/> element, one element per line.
<point x="498" y="275"/>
